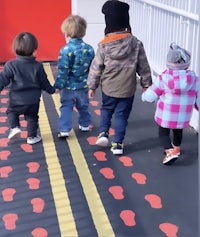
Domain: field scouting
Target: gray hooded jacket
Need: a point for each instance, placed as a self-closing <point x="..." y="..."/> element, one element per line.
<point x="119" y="58"/>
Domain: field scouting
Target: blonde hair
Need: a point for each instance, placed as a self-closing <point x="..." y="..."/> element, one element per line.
<point x="74" y="26"/>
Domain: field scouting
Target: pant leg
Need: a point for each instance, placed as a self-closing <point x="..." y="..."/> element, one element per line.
<point x="31" y="116"/>
<point x="67" y="101"/>
<point x="122" y="113"/>
<point x="13" y="113"/>
<point x="82" y="105"/>
<point x="107" y="110"/>
<point x="164" y="136"/>
<point x="177" y="136"/>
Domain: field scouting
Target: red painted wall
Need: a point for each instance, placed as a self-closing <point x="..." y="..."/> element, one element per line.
<point x="40" y="17"/>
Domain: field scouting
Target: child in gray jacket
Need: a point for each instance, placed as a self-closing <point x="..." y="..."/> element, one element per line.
<point x="119" y="59"/>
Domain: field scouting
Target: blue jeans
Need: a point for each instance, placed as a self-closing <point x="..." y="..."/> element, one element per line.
<point x="121" y="108"/>
<point x="69" y="99"/>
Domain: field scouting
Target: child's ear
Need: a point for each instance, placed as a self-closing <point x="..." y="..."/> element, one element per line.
<point x="34" y="53"/>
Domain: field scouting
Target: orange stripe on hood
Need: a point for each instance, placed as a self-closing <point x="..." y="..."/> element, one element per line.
<point x="113" y="37"/>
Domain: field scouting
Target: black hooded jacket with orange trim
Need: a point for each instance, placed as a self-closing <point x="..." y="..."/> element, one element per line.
<point x="120" y="57"/>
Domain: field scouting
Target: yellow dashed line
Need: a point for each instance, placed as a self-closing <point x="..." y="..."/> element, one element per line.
<point x="97" y="210"/>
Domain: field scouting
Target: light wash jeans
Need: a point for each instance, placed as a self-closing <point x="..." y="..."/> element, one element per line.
<point x="69" y="99"/>
<point x="121" y="108"/>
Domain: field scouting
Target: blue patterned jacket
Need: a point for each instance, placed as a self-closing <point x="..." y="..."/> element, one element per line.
<point x="73" y="65"/>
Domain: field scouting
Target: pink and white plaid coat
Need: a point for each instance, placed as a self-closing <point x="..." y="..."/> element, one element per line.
<point x="176" y="94"/>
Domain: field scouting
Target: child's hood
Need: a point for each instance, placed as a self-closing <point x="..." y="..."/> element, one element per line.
<point x="118" y="46"/>
<point x="180" y="80"/>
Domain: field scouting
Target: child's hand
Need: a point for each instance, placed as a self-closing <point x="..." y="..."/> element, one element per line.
<point x="144" y="89"/>
<point x="57" y="91"/>
<point x="91" y="93"/>
<point x="149" y="95"/>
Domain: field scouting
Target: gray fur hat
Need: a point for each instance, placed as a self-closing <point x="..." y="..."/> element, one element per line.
<point x="178" y="58"/>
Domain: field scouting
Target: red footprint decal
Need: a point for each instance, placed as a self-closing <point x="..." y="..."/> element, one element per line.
<point x="23" y="123"/>
<point x="100" y="155"/>
<point x="91" y="140"/>
<point x="27" y="148"/>
<point x="75" y="109"/>
<point x="8" y="194"/>
<point x="4" y="155"/>
<point x="4" y="142"/>
<point x="154" y="200"/>
<point x="128" y="217"/>
<point x="5" y="171"/>
<point x="4" y="100"/>
<point x="33" y="183"/>
<point x="107" y="173"/>
<point x="39" y="232"/>
<point x="91" y="126"/>
<point x="97" y="111"/>
<point x="3" y="110"/>
<point x="111" y="132"/>
<point x="139" y="178"/>
<point x="169" y="229"/>
<point x="94" y="103"/>
<point x="3" y="130"/>
<point x="33" y="167"/>
<point x="23" y="134"/>
<point x="117" y="192"/>
<point x="4" y="92"/>
<point x="3" y="119"/>
<point x="10" y="221"/>
<point x="38" y="205"/>
<point x="127" y="161"/>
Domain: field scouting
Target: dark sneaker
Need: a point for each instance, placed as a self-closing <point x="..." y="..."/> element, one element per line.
<point x="102" y="139"/>
<point x="117" y="148"/>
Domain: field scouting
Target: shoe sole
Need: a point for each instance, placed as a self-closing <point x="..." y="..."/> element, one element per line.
<point x="117" y="152"/>
<point x="103" y="141"/>
<point x="32" y="143"/>
<point x="84" y="129"/>
<point x="171" y="161"/>
<point x="62" y="136"/>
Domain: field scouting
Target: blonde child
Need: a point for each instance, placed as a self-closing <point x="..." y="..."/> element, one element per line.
<point x="73" y="66"/>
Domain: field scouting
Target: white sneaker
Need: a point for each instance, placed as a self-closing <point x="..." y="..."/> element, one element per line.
<point x="33" y="140"/>
<point x="14" y="132"/>
<point x="63" y="134"/>
<point x="117" y="148"/>
<point x="84" y="129"/>
<point x="102" y="139"/>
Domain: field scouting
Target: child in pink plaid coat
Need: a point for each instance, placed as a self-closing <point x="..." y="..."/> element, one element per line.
<point x="175" y="91"/>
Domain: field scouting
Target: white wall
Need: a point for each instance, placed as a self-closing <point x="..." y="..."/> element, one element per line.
<point x="91" y="11"/>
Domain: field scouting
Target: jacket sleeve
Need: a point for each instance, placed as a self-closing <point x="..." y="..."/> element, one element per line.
<point x="5" y="77"/>
<point x="197" y="97"/>
<point x="153" y="93"/>
<point x="149" y="95"/>
<point x="44" y="82"/>
<point x="143" y="68"/>
<point x="95" y="72"/>
<point x="64" y="65"/>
